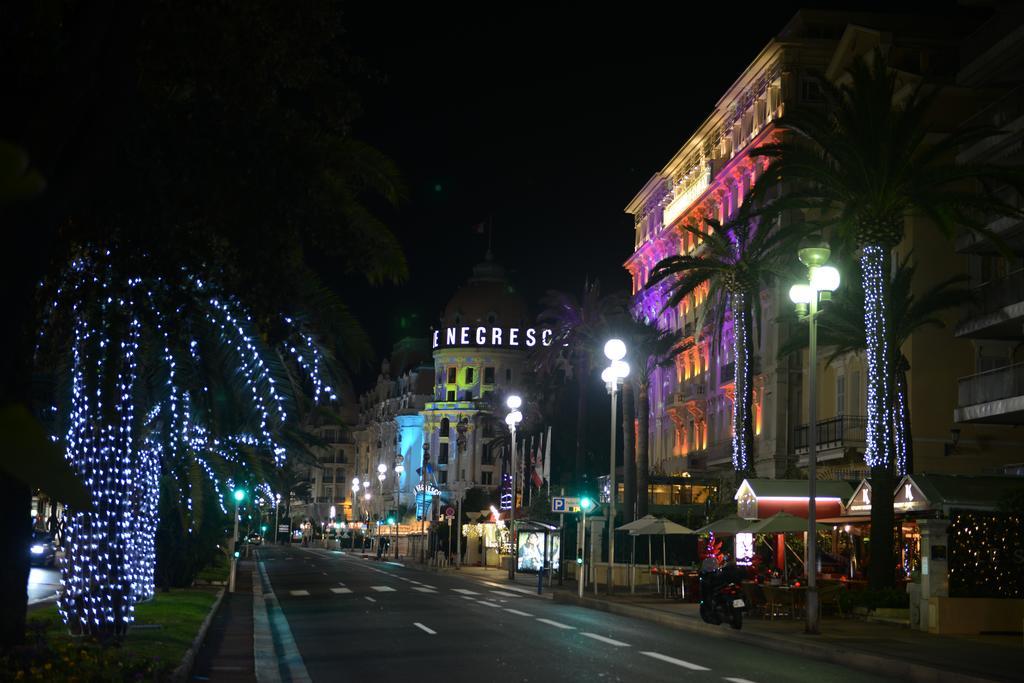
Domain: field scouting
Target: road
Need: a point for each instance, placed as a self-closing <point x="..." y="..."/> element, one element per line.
<point x="356" y="619"/>
<point x="43" y="584"/>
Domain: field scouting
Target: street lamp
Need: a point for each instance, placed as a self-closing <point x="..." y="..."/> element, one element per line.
<point x="398" y="469"/>
<point x="239" y="496"/>
<point x="613" y="375"/>
<point x="277" y="519"/>
<point x="822" y="281"/>
<point x="513" y="418"/>
<point x="355" y="499"/>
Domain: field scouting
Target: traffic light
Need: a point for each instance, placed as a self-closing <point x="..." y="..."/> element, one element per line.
<point x="586" y="504"/>
<point x="239" y="495"/>
<point x="263" y="528"/>
<point x="391" y="521"/>
<point x="579" y="555"/>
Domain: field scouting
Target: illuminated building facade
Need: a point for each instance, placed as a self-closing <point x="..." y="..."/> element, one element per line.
<point x="709" y="177"/>
<point x="480" y="351"/>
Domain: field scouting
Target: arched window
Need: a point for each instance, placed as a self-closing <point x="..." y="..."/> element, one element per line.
<point x="445" y="427"/>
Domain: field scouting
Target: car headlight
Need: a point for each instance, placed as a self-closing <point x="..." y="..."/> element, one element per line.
<point x="38" y="550"/>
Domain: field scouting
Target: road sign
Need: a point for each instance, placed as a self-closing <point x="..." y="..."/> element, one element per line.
<point x="283" y="528"/>
<point x="449" y="512"/>
<point x="565" y="504"/>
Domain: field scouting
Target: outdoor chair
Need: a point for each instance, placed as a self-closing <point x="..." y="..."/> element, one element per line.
<point x="830" y="596"/>
<point x="778" y="602"/>
<point x="755" y="598"/>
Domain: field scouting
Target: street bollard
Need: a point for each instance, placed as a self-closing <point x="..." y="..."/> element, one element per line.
<point x="540" y="581"/>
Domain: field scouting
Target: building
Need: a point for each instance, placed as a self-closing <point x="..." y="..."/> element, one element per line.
<point x="713" y="171"/>
<point x="480" y="352"/>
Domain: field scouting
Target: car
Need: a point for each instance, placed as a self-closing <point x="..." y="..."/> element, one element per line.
<point x="42" y="551"/>
<point x="254" y="539"/>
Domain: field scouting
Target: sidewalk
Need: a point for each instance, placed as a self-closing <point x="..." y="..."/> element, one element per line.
<point x="227" y="651"/>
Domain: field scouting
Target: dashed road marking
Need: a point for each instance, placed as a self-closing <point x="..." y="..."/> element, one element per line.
<point x="369" y="598"/>
<point x="424" y="628"/>
<point x="557" y="624"/>
<point x="466" y="597"/>
<point x="341" y="591"/>
<point x="465" y="591"/>
<point x="678" y="662"/>
<point x="518" y="612"/>
<point x="299" y="593"/>
<point x="489" y="604"/>
<point x="737" y="680"/>
<point x="603" y="639"/>
<point x="505" y="595"/>
<point x="383" y="589"/>
<point x="424" y="589"/>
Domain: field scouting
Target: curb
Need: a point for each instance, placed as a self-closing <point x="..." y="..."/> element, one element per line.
<point x="835" y="654"/>
<point x="184" y="670"/>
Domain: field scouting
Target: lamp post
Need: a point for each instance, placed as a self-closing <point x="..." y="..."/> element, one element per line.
<point x="239" y="496"/>
<point x="615" y="351"/>
<point x="399" y="469"/>
<point x="277" y="519"/>
<point x="822" y="281"/>
<point x="513" y="418"/>
<point x="355" y="498"/>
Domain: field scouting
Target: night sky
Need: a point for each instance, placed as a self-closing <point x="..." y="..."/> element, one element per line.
<point x="545" y="123"/>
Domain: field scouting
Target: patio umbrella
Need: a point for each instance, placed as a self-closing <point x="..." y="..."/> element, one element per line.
<point x="779" y="523"/>
<point x="655" y="526"/>
<point x="637" y="523"/>
<point x="727" y="526"/>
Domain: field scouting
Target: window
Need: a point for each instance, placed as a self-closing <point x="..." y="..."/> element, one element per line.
<point x="445" y="427"/>
<point x="442" y="453"/>
<point x="485" y="478"/>
<point x="442" y="477"/>
<point x="810" y="90"/>
<point x="451" y="375"/>
<point x="469" y="375"/>
<point x="855" y="392"/>
<point x="329" y="492"/>
<point x="468" y="396"/>
<point x="488" y="429"/>
<point x="451" y="396"/>
<point x="840" y="395"/>
<point x="508" y="374"/>
<point x="488" y="375"/>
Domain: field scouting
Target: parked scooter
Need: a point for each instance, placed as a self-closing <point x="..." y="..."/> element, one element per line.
<point x="721" y="598"/>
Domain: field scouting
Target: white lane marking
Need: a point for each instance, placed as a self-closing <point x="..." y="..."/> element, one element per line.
<point x="424" y="589"/>
<point x="424" y="628"/>
<point x="489" y="604"/>
<point x="369" y="598"/>
<point x="341" y="583"/>
<point x="737" y="680"/>
<point x="433" y="588"/>
<point x="383" y="589"/>
<point x="465" y="591"/>
<point x="466" y="597"/>
<point x="518" y="612"/>
<point x="299" y="593"/>
<point x="341" y="591"/>
<point x="559" y="624"/>
<point x="609" y="641"/>
<point x="504" y="594"/>
<point x="678" y="662"/>
<point x="325" y="573"/>
<point x="527" y="591"/>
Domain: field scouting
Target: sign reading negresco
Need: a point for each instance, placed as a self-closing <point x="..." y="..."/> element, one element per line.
<point x="503" y="337"/>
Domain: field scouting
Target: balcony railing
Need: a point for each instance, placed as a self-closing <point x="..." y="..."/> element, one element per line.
<point x="992" y="385"/>
<point x="995" y="294"/>
<point x="837" y="432"/>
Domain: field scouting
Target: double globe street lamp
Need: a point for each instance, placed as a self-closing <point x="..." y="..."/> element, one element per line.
<point x="613" y="376"/>
<point x="822" y="280"/>
<point x="513" y="418"/>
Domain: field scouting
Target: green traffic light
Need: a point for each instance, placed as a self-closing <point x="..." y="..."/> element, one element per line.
<point x="263" y="528"/>
<point x="586" y="503"/>
<point x="239" y="495"/>
<point x="391" y="521"/>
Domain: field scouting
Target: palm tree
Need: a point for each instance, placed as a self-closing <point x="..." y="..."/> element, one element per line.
<point x="864" y="160"/>
<point x="649" y="349"/>
<point x="578" y="326"/>
<point x="841" y="328"/>
<point x="734" y="262"/>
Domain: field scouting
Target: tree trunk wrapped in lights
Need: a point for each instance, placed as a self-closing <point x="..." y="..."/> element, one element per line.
<point x="743" y="423"/>
<point x="147" y="396"/>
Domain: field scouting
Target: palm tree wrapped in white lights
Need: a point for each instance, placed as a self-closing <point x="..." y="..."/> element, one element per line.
<point x="165" y="378"/>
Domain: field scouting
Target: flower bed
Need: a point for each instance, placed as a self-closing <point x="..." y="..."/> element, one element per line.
<point x="164" y="630"/>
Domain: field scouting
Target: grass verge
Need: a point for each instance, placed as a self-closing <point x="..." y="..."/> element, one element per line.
<point x="164" y="630"/>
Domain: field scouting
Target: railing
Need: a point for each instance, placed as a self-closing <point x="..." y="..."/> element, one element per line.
<point x="995" y="294"/>
<point x="845" y="430"/>
<point x="992" y="385"/>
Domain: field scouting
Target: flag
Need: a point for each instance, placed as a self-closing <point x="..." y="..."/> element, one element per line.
<point x="538" y="463"/>
<point x="480" y="228"/>
<point x="547" y="457"/>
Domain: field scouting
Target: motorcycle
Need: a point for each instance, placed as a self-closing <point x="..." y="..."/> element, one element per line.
<point x="721" y="599"/>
